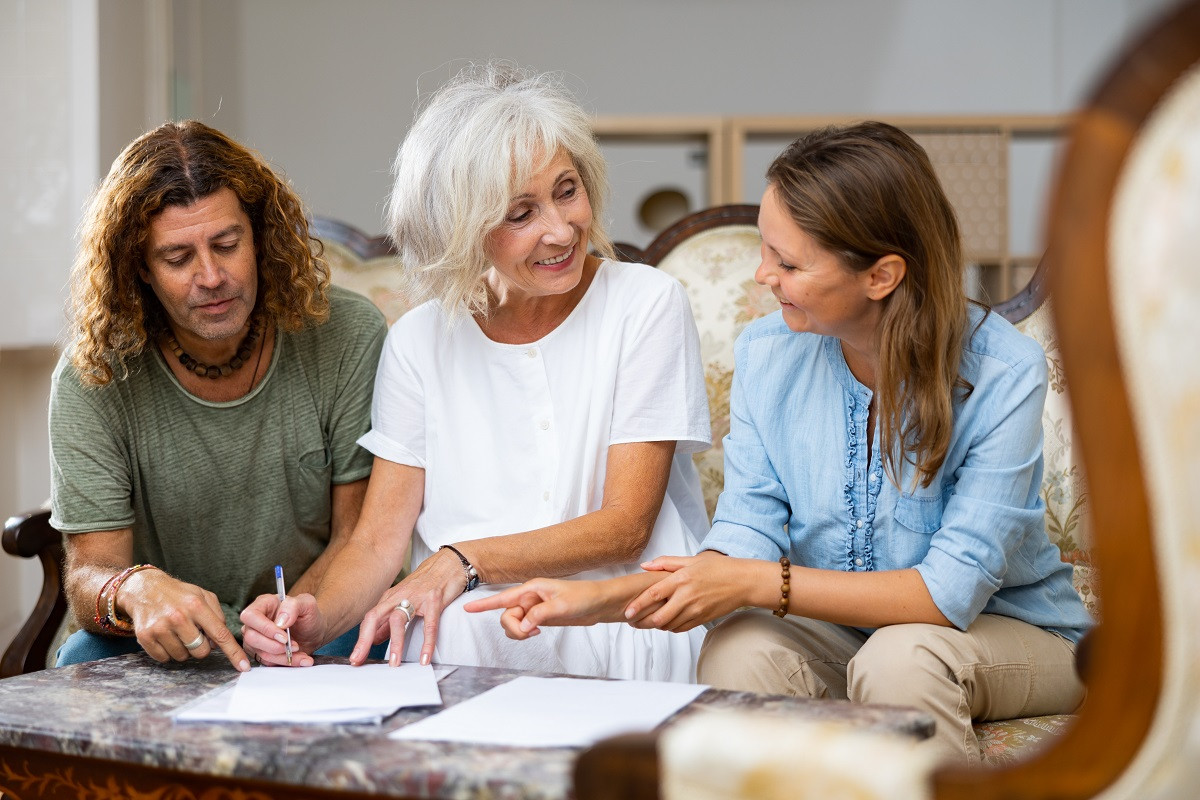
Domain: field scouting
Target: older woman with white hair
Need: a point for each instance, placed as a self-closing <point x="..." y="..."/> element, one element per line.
<point x="533" y="417"/>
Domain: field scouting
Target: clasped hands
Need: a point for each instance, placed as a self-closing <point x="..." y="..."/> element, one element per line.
<point x="674" y="593"/>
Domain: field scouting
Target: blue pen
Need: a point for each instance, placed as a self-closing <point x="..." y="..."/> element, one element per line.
<point x="282" y="595"/>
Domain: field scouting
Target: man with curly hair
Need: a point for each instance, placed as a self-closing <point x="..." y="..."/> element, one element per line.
<point x="203" y="420"/>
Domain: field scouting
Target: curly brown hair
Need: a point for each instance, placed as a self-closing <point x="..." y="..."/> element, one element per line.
<point x="114" y="314"/>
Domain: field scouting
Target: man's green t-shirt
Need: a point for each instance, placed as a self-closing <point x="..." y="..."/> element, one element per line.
<point x="217" y="494"/>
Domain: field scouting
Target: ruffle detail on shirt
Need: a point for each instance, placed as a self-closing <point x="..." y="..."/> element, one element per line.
<point x="868" y="518"/>
<point x="873" y="486"/>
<point x="848" y="483"/>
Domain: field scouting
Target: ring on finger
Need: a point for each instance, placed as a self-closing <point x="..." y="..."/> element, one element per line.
<point x="407" y="608"/>
<point x="194" y="643"/>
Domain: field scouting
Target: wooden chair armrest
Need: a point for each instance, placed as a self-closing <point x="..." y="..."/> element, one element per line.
<point x="619" y="768"/>
<point x="28" y="536"/>
<point x="25" y="535"/>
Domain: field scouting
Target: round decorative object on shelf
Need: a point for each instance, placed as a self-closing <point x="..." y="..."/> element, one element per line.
<point x="662" y="208"/>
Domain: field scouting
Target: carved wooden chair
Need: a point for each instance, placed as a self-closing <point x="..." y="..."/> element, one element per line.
<point x="30" y="536"/>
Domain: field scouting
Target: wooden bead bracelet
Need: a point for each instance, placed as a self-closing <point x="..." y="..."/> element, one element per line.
<point x="783" y="601"/>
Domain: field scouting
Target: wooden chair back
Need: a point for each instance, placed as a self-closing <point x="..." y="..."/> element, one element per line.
<point x="30" y="536"/>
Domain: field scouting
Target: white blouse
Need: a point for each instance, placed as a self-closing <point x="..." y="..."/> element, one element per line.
<point x="515" y="437"/>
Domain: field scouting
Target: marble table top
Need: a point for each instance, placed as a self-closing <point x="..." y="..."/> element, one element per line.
<point x="118" y="709"/>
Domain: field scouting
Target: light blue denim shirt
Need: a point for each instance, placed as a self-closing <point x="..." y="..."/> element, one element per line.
<point x="798" y="481"/>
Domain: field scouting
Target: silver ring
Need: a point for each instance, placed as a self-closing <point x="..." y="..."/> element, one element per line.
<point x="194" y="643"/>
<point x="407" y="608"/>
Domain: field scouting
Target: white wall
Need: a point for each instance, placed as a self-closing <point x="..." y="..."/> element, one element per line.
<point x="24" y="471"/>
<point x="76" y="79"/>
<point x="46" y="143"/>
<point x="326" y="91"/>
<point x="47" y="162"/>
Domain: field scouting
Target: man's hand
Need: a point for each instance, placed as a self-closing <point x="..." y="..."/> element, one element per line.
<point x="176" y="621"/>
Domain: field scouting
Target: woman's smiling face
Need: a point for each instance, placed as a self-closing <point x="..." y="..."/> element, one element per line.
<point x="816" y="292"/>
<point x="540" y="247"/>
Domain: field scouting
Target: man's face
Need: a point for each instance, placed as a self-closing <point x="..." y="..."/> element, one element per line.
<point x="201" y="264"/>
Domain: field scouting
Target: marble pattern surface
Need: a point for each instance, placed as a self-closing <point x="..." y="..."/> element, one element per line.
<point x="119" y="709"/>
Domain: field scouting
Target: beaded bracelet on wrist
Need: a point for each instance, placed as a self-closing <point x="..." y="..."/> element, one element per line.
<point x="102" y="619"/>
<point x="112" y="622"/>
<point x="785" y="566"/>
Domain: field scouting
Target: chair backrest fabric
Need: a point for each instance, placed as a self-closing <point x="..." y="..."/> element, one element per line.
<point x="363" y="264"/>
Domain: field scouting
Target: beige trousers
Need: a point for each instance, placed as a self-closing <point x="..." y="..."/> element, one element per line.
<point x="999" y="668"/>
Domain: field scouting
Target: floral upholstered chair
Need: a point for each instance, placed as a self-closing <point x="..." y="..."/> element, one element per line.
<point x="714" y="254"/>
<point x="363" y="264"/>
<point x="1067" y="522"/>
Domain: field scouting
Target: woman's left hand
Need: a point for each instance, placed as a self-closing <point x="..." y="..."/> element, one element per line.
<point x="432" y="586"/>
<point x="701" y="588"/>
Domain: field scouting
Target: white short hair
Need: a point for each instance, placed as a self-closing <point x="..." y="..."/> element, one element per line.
<point x="479" y="140"/>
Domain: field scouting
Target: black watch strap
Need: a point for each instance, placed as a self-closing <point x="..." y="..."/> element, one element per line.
<point x="472" y="574"/>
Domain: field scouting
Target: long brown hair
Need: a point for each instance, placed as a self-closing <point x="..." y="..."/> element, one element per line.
<point x="863" y="192"/>
<point x="114" y="314"/>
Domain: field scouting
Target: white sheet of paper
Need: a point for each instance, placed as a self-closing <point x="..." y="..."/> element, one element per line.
<point x="554" y="712"/>
<point x="326" y="693"/>
<point x="214" y="707"/>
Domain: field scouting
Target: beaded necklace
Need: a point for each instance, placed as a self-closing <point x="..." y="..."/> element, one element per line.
<point x="229" y="367"/>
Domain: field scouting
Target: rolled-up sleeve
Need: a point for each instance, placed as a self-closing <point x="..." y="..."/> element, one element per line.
<point x="995" y="504"/>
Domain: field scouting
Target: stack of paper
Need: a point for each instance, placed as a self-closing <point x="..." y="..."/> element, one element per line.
<point x="554" y="712"/>
<point x="320" y="694"/>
